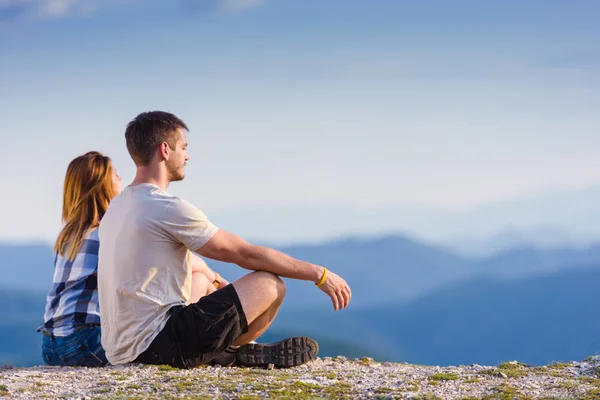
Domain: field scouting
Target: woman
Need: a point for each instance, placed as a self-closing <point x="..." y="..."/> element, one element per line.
<point x="71" y="325"/>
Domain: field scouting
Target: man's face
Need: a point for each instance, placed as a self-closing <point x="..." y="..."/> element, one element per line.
<point x="178" y="158"/>
<point x="116" y="181"/>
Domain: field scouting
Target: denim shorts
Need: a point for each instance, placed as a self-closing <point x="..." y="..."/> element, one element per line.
<point x="81" y="348"/>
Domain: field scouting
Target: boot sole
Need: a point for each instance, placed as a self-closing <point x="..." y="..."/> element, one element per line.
<point x="283" y="354"/>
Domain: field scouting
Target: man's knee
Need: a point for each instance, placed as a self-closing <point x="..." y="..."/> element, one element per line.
<point x="272" y="282"/>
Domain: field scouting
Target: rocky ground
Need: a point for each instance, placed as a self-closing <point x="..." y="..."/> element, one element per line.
<point x="323" y="378"/>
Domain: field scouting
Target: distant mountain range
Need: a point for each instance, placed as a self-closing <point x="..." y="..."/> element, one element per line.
<point x="383" y="270"/>
<point x="411" y="302"/>
<point x="536" y="320"/>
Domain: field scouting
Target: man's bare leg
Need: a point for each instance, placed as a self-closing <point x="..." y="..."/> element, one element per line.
<point x="261" y="295"/>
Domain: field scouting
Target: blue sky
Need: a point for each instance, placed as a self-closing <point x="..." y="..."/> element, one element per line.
<point x="300" y="104"/>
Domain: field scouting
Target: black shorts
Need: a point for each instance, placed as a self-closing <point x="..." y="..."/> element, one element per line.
<point x="197" y="333"/>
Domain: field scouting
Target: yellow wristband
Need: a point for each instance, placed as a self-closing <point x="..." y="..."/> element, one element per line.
<point x="323" y="278"/>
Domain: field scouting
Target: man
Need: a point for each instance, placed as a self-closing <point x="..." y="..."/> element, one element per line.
<point x="158" y="301"/>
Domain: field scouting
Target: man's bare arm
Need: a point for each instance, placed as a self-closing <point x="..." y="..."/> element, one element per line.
<point x="227" y="247"/>
<point x="199" y="265"/>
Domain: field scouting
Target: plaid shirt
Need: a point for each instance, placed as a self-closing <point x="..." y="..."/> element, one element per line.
<point x="73" y="299"/>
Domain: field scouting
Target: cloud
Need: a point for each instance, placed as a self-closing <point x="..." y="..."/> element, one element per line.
<point x="49" y="9"/>
<point x="45" y="8"/>
<point x="207" y="7"/>
<point x="240" y="5"/>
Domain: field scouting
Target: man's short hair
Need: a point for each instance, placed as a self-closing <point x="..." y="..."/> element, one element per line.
<point x="147" y="131"/>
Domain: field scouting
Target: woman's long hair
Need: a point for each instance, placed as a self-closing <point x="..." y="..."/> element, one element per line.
<point x="88" y="190"/>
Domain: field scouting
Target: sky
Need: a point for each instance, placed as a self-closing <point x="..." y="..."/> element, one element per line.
<point x="302" y="105"/>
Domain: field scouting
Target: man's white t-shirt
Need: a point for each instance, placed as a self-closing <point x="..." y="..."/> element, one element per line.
<point x="144" y="266"/>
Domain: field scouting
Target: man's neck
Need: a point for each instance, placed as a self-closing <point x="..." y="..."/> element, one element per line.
<point x="153" y="176"/>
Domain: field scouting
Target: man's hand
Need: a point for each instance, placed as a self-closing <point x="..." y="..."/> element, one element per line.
<point x="337" y="288"/>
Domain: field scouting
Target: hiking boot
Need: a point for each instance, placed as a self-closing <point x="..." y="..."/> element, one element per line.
<point x="286" y="353"/>
<point x="226" y="358"/>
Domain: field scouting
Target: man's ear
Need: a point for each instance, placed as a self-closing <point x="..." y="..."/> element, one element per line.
<point x="164" y="150"/>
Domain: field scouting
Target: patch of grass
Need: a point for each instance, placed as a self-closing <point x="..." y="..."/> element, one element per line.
<point x="588" y="359"/>
<point x="331" y="375"/>
<point x="472" y="380"/>
<point x="558" y="365"/>
<point x="166" y="367"/>
<point x="101" y="390"/>
<point x="296" y="390"/>
<point x="412" y="387"/>
<point x="554" y="398"/>
<point x="558" y="373"/>
<point x="443" y="377"/>
<point x="566" y="385"/>
<point x="4" y="390"/>
<point x="340" y="390"/>
<point x="505" y="392"/>
<point x="593" y="394"/>
<point x="134" y="386"/>
<point x="366" y="361"/>
<point x="426" y="396"/>
<point x="589" y="380"/>
<point x="381" y="390"/>
<point x="183" y="385"/>
<point x="514" y="370"/>
<point x="511" y="365"/>
<point x="510" y="370"/>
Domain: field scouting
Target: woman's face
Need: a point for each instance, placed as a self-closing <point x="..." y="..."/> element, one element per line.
<point x="116" y="180"/>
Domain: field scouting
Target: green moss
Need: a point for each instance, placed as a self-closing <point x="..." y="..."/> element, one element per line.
<point x="366" y="361"/>
<point x="559" y="366"/>
<point x="472" y="380"/>
<point x="134" y="387"/>
<point x="101" y="390"/>
<point x="183" y="385"/>
<point x="510" y="370"/>
<point x="167" y="368"/>
<point x="566" y="385"/>
<point x="593" y="394"/>
<point x="426" y="396"/>
<point x="512" y="365"/>
<point x="443" y="377"/>
<point x="412" y="387"/>
<point x="590" y="380"/>
<point x="381" y="390"/>
<point x="505" y="392"/>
